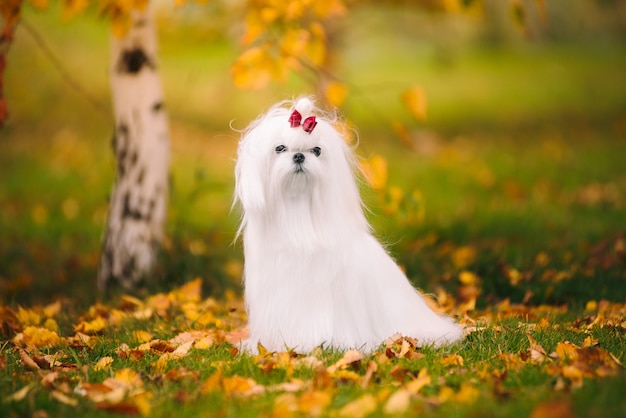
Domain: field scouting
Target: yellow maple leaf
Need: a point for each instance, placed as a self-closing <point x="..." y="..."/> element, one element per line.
<point x="28" y="316"/>
<point x="52" y="309"/>
<point x="422" y="379"/>
<point x="40" y="337"/>
<point x="142" y="336"/>
<point x="103" y="363"/>
<point x="190" y="292"/>
<point x="95" y="326"/>
<point x="566" y="350"/>
<point x="511" y="361"/>
<point x="128" y="377"/>
<point x="349" y="358"/>
<point x="253" y="69"/>
<point x="414" y="99"/>
<point x="452" y="360"/>
<point x="51" y="324"/>
<point x="241" y="386"/>
<point x="160" y="303"/>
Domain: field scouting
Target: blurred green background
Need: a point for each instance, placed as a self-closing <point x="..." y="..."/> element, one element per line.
<point x="522" y="158"/>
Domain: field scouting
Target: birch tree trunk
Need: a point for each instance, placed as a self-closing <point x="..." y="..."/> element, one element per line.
<point x="137" y="208"/>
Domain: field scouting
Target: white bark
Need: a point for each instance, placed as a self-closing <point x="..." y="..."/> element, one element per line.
<point x="137" y="208"/>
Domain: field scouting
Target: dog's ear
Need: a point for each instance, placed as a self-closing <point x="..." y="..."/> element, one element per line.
<point x="250" y="174"/>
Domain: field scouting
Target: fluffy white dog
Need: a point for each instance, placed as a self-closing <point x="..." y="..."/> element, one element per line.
<point x="314" y="274"/>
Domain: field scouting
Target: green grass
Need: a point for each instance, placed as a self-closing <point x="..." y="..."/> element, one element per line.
<point x="522" y="155"/>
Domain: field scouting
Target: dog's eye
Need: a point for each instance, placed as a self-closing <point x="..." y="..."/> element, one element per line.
<point x="317" y="151"/>
<point x="280" y="148"/>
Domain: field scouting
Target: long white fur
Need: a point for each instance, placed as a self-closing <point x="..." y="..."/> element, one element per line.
<point x="314" y="274"/>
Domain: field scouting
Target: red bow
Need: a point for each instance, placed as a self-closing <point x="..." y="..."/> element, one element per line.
<point x="308" y="125"/>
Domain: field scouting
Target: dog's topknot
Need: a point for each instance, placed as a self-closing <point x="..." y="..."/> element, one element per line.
<point x="304" y="105"/>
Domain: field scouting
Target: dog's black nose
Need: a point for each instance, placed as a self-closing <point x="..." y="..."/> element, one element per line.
<point x="298" y="158"/>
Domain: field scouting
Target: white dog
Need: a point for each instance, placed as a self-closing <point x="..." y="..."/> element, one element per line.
<point x="314" y="274"/>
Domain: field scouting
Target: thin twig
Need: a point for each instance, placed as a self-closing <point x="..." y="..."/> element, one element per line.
<point x="65" y="74"/>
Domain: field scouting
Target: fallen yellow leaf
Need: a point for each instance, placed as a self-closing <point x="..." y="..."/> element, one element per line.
<point x="360" y="407"/>
<point x="142" y="336"/>
<point x="52" y="309"/>
<point x="241" y="386"/>
<point x="189" y="292"/>
<point x="398" y="402"/>
<point x="28" y="316"/>
<point x="103" y="363"/>
<point x="566" y="350"/>
<point x="452" y="360"/>
<point x="40" y="337"/>
<point x="127" y="377"/>
<point x="422" y="379"/>
<point x="349" y="358"/>
<point x="95" y="326"/>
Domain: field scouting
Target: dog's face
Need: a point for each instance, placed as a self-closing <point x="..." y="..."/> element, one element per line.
<point x="296" y="164"/>
<point x="277" y="162"/>
<point x="297" y="156"/>
<point x="296" y="178"/>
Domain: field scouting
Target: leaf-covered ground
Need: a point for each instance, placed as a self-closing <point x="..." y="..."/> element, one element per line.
<point x="508" y="205"/>
<point x="177" y="354"/>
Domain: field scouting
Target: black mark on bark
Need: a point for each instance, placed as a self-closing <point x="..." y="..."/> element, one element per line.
<point x="133" y="60"/>
<point x="141" y="175"/>
<point x="128" y="212"/>
<point x="120" y="147"/>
